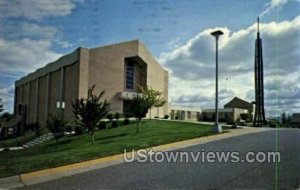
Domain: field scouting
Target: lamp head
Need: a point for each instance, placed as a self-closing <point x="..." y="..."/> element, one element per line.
<point x="217" y="33"/>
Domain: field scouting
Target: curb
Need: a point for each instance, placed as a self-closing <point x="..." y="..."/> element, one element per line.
<point x="72" y="169"/>
<point x="11" y="182"/>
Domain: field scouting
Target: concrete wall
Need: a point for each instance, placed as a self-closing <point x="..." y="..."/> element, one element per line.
<point x="157" y="77"/>
<point x="184" y="114"/>
<point x="32" y="111"/>
<point x="106" y="70"/>
<point x="83" y="72"/>
<point x="54" y="92"/>
<point x="42" y="99"/>
<point x="70" y="88"/>
<point x="42" y="89"/>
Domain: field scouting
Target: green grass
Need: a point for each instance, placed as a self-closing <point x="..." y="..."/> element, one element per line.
<point x="107" y="142"/>
<point x="18" y="141"/>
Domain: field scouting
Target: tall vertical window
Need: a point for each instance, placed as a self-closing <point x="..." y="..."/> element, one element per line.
<point x="129" y="75"/>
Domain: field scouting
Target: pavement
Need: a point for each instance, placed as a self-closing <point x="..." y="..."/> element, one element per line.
<point x="112" y="172"/>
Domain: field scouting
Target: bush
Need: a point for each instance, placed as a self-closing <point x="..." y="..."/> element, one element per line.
<point x="176" y="117"/>
<point x="234" y="126"/>
<point x="114" y="124"/>
<point x="110" y="117"/>
<point x="102" y="125"/>
<point x="57" y="126"/>
<point x="272" y="124"/>
<point x="69" y="127"/>
<point x="126" y="121"/>
<point x="128" y="115"/>
<point x="117" y="116"/>
<point x="79" y="130"/>
<point x="166" y="116"/>
<point x="38" y="129"/>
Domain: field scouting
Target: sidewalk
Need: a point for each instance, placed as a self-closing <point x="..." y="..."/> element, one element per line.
<point x="68" y="170"/>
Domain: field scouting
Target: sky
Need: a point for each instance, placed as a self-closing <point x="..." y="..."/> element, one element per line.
<point x="177" y="33"/>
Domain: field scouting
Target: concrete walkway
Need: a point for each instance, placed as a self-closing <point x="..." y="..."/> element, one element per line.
<point x="68" y="170"/>
<point x="31" y="143"/>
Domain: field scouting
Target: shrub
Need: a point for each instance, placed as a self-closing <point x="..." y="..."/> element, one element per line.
<point x="57" y="126"/>
<point x="69" y="127"/>
<point x="126" y="121"/>
<point x="234" y="126"/>
<point x="38" y="129"/>
<point x="117" y="116"/>
<point x="110" y="117"/>
<point x="176" y="117"/>
<point x="102" y="125"/>
<point x="166" y="116"/>
<point x="114" y="124"/>
<point x="79" y="130"/>
<point x="128" y="115"/>
<point x="272" y="124"/>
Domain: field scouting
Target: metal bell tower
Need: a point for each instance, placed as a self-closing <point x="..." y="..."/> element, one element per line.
<point x="259" y="116"/>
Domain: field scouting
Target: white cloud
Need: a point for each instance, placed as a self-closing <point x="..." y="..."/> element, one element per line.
<point x="19" y="57"/>
<point x="34" y="30"/>
<point x="273" y="4"/>
<point x="28" y="45"/>
<point x="192" y="65"/>
<point x="7" y="98"/>
<point x="25" y="55"/>
<point x="36" y="9"/>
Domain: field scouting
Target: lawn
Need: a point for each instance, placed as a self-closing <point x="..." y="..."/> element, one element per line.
<point x="73" y="149"/>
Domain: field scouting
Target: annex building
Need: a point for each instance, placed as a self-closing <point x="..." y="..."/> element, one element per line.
<point x="231" y="112"/>
<point x="118" y="69"/>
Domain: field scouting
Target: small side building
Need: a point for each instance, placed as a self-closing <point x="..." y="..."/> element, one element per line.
<point x="233" y="111"/>
<point x="241" y="104"/>
<point x="229" y="115"/>
<point x="184" y="113"/>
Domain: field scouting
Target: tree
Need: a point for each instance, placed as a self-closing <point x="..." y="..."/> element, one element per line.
<point x="154" y="97"/>
<point x="89" y="111"/>
<point x="139" y="108"/>
<point x="283" y="118"/>
<point x="6" y="116"/>
<point x="57" y="126"/>
<point x="141" y="103"/>
<point x="288" y="120"/>
<point x="1" y="106"/>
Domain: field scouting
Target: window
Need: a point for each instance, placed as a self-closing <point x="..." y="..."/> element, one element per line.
<point x="129" y="75"/>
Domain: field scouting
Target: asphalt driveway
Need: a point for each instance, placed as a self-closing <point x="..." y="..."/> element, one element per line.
<point x="202" y="175"/>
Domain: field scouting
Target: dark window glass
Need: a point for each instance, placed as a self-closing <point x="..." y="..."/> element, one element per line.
<point x="129" y="75"/>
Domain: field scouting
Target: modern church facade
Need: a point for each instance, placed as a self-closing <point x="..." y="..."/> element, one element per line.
<point x="118" y="69"/>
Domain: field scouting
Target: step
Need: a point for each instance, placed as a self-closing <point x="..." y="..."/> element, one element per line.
<point x="16" y="148"/>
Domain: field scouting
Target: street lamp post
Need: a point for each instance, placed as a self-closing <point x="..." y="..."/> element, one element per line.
<point x="217" y="127"/>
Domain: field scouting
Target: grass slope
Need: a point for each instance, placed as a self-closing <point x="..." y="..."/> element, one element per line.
<point x="107" y="142"/>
